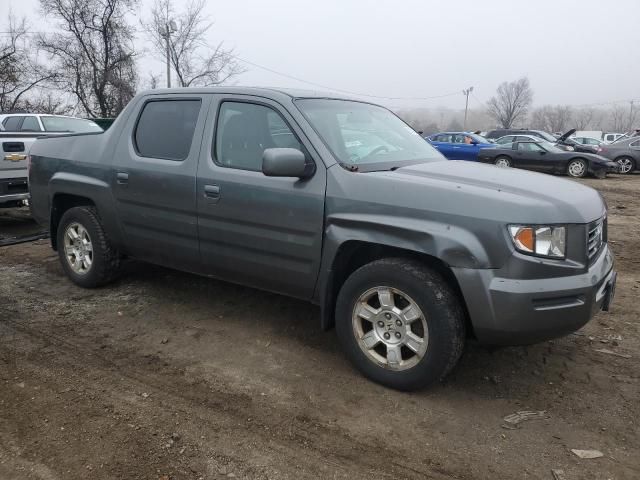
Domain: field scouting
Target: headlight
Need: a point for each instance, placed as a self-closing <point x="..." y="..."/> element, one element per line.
<point x="544" y="241"/>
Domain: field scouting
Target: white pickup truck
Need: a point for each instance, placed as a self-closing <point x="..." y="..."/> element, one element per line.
<point x="18" y="132"/>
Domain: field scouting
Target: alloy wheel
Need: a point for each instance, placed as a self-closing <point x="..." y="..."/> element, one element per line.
<point x="577" y="169"/>
<point x="390" y="328"/>
<point x="625" y="165"/>
<point x="78" y="248"/>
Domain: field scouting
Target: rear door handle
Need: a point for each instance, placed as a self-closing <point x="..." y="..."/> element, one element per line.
<point x="122" y="178"/>
<point x="212" y="192"/>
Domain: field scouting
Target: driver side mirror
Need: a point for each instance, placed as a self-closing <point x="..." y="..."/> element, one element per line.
<point x="543" y="152"/>
<point x="284" y="162"/>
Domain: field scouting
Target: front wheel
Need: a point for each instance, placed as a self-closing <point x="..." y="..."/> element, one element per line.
<point x="625" y="164"/>
<point x="400" y="323"/>
<point x="503" y="161"/>
<point x="577" y="168"/>
<point x="85" y="252"/>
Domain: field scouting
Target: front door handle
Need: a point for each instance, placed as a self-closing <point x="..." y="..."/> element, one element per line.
<point x="122" y="178"/>
<point x="212" y="192"/>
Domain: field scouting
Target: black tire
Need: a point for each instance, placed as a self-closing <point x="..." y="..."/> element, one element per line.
<point x="503" y="158"/>
<point x="628" y="161"/>
<point x="442" y="311"/>
<point x="105" y="264"/>
<point x="572" y="173"/>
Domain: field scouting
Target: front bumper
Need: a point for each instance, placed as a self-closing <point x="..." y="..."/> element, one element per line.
<point x="506" y="311"/>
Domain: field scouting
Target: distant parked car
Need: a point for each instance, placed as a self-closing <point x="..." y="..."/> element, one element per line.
<point x="562" y="142"/>
<point x="459" y="145"/>
<point x="495" y="134"/>
<point x="547" y="158"/>
<point x="565" y="140"/>
<point x="612" y="137"/>
<point x="626" y="152"/>
<point x="509" y="139"/>
<point x="26" y="122"/>
<point x="587" y="141"/>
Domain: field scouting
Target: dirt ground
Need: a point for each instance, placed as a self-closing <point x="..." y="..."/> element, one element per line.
<point x="166" y="375"/>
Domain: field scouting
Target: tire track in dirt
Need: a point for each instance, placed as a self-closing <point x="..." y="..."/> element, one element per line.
<point x="322" y="444"/>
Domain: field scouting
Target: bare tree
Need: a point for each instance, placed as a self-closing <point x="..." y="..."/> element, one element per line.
<point x="20" y="72"/>
<point x="194" y="62"/>
<point x="93" y="52"/>
<point x="583" y="118"/>
<point x="511" y="103"/>
<point x="552" y="118"/>
<point x="619" y="118"/>
<point x="48" y="102"/>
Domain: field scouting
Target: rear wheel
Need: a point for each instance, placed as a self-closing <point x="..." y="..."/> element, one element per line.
<point x="577" y="168"/>
<point x="86" y="254"/>
<point x="625" y="164"/>
<point x="400" y="323"/>
<point x="503" y="161"/>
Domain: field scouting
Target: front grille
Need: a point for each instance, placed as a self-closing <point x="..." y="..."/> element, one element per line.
<point x="596" y="237"/>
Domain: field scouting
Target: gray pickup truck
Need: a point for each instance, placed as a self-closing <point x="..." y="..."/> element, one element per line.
<point x="337" y="202"/>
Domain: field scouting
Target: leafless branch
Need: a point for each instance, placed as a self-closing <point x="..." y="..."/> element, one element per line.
<point x="511" y="103"/>
<point x="93" y="51"/>
<point x="193" y="61"/>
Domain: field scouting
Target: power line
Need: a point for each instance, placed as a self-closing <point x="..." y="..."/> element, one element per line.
<point x="326" y="87"/>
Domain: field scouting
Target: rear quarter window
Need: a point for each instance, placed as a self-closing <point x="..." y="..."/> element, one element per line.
<point x="165" y="128"/>
<point x="11" y="123"/>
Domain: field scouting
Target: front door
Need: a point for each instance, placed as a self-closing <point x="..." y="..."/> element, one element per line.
<point x="154" y="179"/>
<point x="532" y="156"/>
<point x="256" y="230"/>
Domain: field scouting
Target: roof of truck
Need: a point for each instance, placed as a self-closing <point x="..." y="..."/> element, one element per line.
<point x="258" y="91"/>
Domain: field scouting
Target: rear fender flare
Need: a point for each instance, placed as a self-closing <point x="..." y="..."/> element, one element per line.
<point x="96" y="190"/>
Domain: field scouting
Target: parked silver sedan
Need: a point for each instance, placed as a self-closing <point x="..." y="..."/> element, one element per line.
<point x="626" y="152"/>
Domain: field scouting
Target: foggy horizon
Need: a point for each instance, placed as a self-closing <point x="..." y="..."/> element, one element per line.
<point x="574" y="53"/>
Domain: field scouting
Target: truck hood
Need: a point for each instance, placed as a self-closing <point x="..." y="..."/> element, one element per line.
<point x="502" y="194"/>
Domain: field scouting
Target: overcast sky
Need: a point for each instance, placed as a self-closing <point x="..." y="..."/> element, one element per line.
<point x="574" y="52"/>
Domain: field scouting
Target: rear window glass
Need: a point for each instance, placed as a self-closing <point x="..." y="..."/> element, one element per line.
<point x="11" y="123"/>
<point x="165" y="128"/>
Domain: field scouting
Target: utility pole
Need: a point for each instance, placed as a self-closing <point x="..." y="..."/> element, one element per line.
<point x="631" y="115"/>
<point x="466" y="93"/>
<point x="169" y="28"/>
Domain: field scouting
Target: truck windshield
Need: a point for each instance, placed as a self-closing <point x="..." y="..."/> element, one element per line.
<point x="361" y="134"/>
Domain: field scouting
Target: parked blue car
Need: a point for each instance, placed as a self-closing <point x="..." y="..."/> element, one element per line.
<point x="459" y="145"/>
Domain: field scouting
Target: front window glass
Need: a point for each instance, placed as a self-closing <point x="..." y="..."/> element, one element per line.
<point x="69" y="124"/>
<point x="245" y="131"/>
<point x="364" y="135"/>
<point x="530" y="147"/>
<point x="504" y="140"/>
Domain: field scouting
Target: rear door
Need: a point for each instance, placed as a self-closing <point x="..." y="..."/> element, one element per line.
<point x="154" y="179"/>
<point x="256" y="230"/>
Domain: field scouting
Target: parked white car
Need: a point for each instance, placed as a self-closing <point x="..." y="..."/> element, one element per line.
<point x="31" y="122"/>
